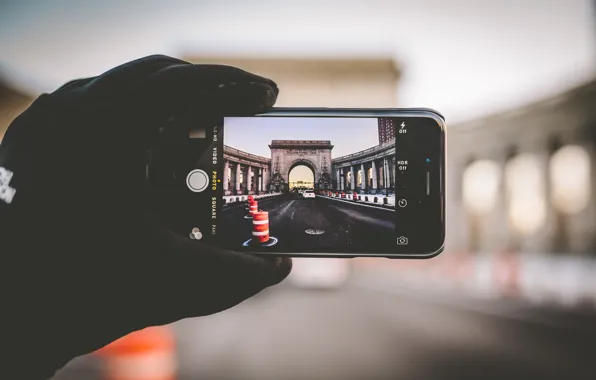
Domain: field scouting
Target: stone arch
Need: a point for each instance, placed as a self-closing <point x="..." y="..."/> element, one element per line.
<point x="287" y="154"/>
<point x="303" y="162"/>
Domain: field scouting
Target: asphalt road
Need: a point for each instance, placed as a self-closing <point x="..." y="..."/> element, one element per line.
<point x="347" y="227"/>
<point x="373" y="329"/>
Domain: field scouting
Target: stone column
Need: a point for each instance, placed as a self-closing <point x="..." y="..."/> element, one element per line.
<point x="247" y="178"/>
<point x="338" y="186"/>
<point x="345" y="181"/>
<point x="386" y="179"/>
<point x="238" y="177"/>
<point x="382" y="169"/>
<point x="392" y="171"/>
<point x="374" y="175"/>
<point x="226" y="181"/>
<point x="363" y="177"/>
<point x="352" y="179"/>
<point x="261" y="173"/>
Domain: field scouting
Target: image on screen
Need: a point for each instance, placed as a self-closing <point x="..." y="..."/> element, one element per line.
<point x="295" y="184"/>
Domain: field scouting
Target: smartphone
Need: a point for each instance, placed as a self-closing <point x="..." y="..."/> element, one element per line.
<point x="309" y="182"/>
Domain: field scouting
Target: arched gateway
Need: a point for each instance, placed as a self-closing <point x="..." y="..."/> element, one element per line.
<point x="287" y="154"/>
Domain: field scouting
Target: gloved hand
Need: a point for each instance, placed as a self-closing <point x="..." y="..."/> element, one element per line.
<point x="84" y="260"/>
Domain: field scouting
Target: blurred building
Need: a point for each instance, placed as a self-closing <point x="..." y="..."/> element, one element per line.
<point x="524" y="180"/>
<point x="356" y="83"/>
<point x="12" y="103"/>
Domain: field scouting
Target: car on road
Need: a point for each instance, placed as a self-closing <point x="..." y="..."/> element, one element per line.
<point x="308" y="194"/>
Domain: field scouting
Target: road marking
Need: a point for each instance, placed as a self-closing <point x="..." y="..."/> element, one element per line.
<point x="283" y="210"/>
<point x="364" y="218"/>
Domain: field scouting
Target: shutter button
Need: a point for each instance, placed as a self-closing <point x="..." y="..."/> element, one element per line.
<point x="197" y="180"/>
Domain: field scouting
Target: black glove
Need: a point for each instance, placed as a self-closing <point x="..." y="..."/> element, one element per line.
<point x="84" y="259"/>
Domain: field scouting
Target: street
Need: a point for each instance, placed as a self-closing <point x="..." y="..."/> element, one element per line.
<point x="343" y="224"/>
<point x="376" y="328"/>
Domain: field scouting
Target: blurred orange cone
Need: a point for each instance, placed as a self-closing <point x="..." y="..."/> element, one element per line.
<point x="147" y="354"/>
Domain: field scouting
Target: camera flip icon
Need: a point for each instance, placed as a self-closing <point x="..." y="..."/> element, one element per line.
<point x="402" y="240"/>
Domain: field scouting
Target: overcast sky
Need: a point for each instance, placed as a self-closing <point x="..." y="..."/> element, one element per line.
<point x="464" y="58"/>
<point x="254" y="134"/>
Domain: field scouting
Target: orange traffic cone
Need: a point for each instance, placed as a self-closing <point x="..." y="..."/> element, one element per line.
<point x="253" y="206"/>
<point x="260" y="231"/>
<point x="147" y="354"/>
<point x="260" y="227"/>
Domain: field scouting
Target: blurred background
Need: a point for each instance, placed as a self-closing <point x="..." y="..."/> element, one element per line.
<point x="514" y="294"/>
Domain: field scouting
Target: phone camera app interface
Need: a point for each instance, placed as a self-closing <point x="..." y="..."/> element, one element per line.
<point x="296" y="184"/>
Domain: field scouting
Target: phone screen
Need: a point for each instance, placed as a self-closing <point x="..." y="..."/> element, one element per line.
<point x="351" y="186"/>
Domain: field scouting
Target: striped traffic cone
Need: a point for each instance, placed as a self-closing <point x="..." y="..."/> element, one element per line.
<point x="254" y="208"/>
<point x="251" y="209"/>
<point x="260" y="231"/>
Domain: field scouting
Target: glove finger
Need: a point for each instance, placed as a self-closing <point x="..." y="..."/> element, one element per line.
<point x="121" y="80"/>
<point x="210" y="90"/>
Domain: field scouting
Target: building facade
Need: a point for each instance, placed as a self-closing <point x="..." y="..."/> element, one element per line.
<point x="525" y="180"/>
<point x="386" y="127"/>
